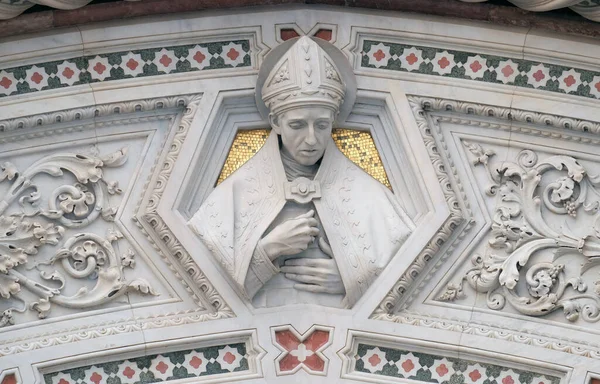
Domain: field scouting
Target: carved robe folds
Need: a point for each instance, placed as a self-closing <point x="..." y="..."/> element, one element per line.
<point x="362" y="220"/>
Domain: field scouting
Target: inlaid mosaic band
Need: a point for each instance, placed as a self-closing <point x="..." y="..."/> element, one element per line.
<point x="209" y="361"/>
<point x="124" y="65"/>
<point x="480" y="67"/>
<point x="428" y="368"/>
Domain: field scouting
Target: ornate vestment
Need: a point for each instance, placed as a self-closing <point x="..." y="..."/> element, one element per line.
<point x="362" y="219"/>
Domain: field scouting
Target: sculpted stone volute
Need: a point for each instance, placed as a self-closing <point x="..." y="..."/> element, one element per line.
<point x="299" y="222"/>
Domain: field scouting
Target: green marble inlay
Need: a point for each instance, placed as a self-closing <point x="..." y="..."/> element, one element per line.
<point x="428" y="363"/>
<point x="117" y="73"/>
<point x="458" y="71"/>
<point x="178" y="368"/>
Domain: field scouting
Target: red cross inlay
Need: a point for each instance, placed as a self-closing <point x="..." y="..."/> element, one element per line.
<point x="379" y="55"/>
<point x="68" y="73"/>
<point x="411" y="59"/>
<point x="570" y="80"/>
<point x="5" y="82"/>
<point x="443" y="62"/>
<point x="507" y="71"/>
<point x="165" y="60"/>
<point x="475" y="66"/>
<point x="302" y="351"/>
<point x="233" y="54"/>
<point x="37" y="78"/>
<point x="539" y="75"/>
<point x="475" y="375"/>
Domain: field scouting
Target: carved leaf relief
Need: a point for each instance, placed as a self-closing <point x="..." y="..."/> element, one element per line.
<point x="540" y="247"/>
<point x="84" y="263"/>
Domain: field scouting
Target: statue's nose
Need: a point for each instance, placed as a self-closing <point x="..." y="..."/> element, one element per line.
<point x="310" y="138"/>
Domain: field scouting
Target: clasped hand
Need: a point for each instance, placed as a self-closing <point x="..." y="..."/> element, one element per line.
<point x="292" y="237"/>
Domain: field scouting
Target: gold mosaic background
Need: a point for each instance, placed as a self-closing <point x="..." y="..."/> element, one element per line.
<point x="358" y="146"/>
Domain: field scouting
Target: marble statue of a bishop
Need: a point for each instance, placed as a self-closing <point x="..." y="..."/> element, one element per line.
<point x="299" y="222"/>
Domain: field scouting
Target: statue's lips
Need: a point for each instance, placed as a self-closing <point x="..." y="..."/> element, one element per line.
<point x="308" y="152"/>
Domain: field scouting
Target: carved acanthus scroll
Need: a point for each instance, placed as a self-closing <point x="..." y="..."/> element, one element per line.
<point x="82" y="257"/>
<point x="530" y="261"/>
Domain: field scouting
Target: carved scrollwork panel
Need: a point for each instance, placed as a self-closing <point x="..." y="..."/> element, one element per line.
<point x="544" y="241"/>
<point x="47" y="257"/>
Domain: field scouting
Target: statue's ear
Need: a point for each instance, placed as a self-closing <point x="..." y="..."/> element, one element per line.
<point x="274" y="121"/>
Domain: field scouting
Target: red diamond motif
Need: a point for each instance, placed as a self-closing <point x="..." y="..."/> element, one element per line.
<point x="68" y="73"/>
<point x="570" y="80"/>
<point x="128" y="372"/>
<point x="132" y="64"/>
<point x="539" y="75"/>
<point x="63" y="381"/>
<point x="475" y="375"/>
<point x="165" y="60"/>
<point x="507" y="71"/>
<point x="408" y="366"/>
<point x="37" y="78"/>
<point x="508" y="380"/>
<point x="162" y="367"/>
<point x="199" y="57"/>
<point x="229" y="357"/>
<point x="374" y="360"/>
<point x="233" y="54"/>
<point x="475" y="66"/>
<point x="196" y="362"/>
<point x="379" y="55"/>
<point x="597" y="85"/>
<point x="5" y="83"/>
<point x="411" y="59"/>
<point x="442" y="370"/>
<point x="99" y="68"/>
<point x="96" y="378"/>
<point x="443" y="62"/>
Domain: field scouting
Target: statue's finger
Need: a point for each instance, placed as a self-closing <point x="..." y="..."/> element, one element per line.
<point x="325" y="247"/>
<point x="313" y="231"/>
<point x="302" y="262"/>
<point x="313" y="222"/>
<point x="302" y="278"/>
<point x="306" y="215"/>
<point x="296" y="270"/>
<point x="310" y="288"/>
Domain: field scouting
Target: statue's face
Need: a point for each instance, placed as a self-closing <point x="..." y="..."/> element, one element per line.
<point x="305" y="132"/>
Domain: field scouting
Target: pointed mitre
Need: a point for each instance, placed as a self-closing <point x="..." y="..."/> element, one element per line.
<point x="304" y="75"/>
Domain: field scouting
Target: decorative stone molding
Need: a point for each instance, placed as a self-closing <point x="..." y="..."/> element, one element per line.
<point x="217" y="358"/>
<point x="396" y="56"/>
<point x="113" y="66"/>
<point x="155" y="229"/>
<point x="503" y="332"/>
<point x="442" y="242"/>
<point x="383" y="359"/>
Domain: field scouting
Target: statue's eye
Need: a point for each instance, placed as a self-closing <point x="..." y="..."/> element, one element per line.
<point x="297" y="124"/>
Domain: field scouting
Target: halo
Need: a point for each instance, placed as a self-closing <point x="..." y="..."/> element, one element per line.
<point x="338" y="58"/>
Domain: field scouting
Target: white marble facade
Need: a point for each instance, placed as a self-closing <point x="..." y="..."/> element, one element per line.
<point x="489" y="139"/>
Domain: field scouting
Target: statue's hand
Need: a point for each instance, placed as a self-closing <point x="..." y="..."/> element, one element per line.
<point x="315" y="275"/>
<point x="291" y="237"/>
